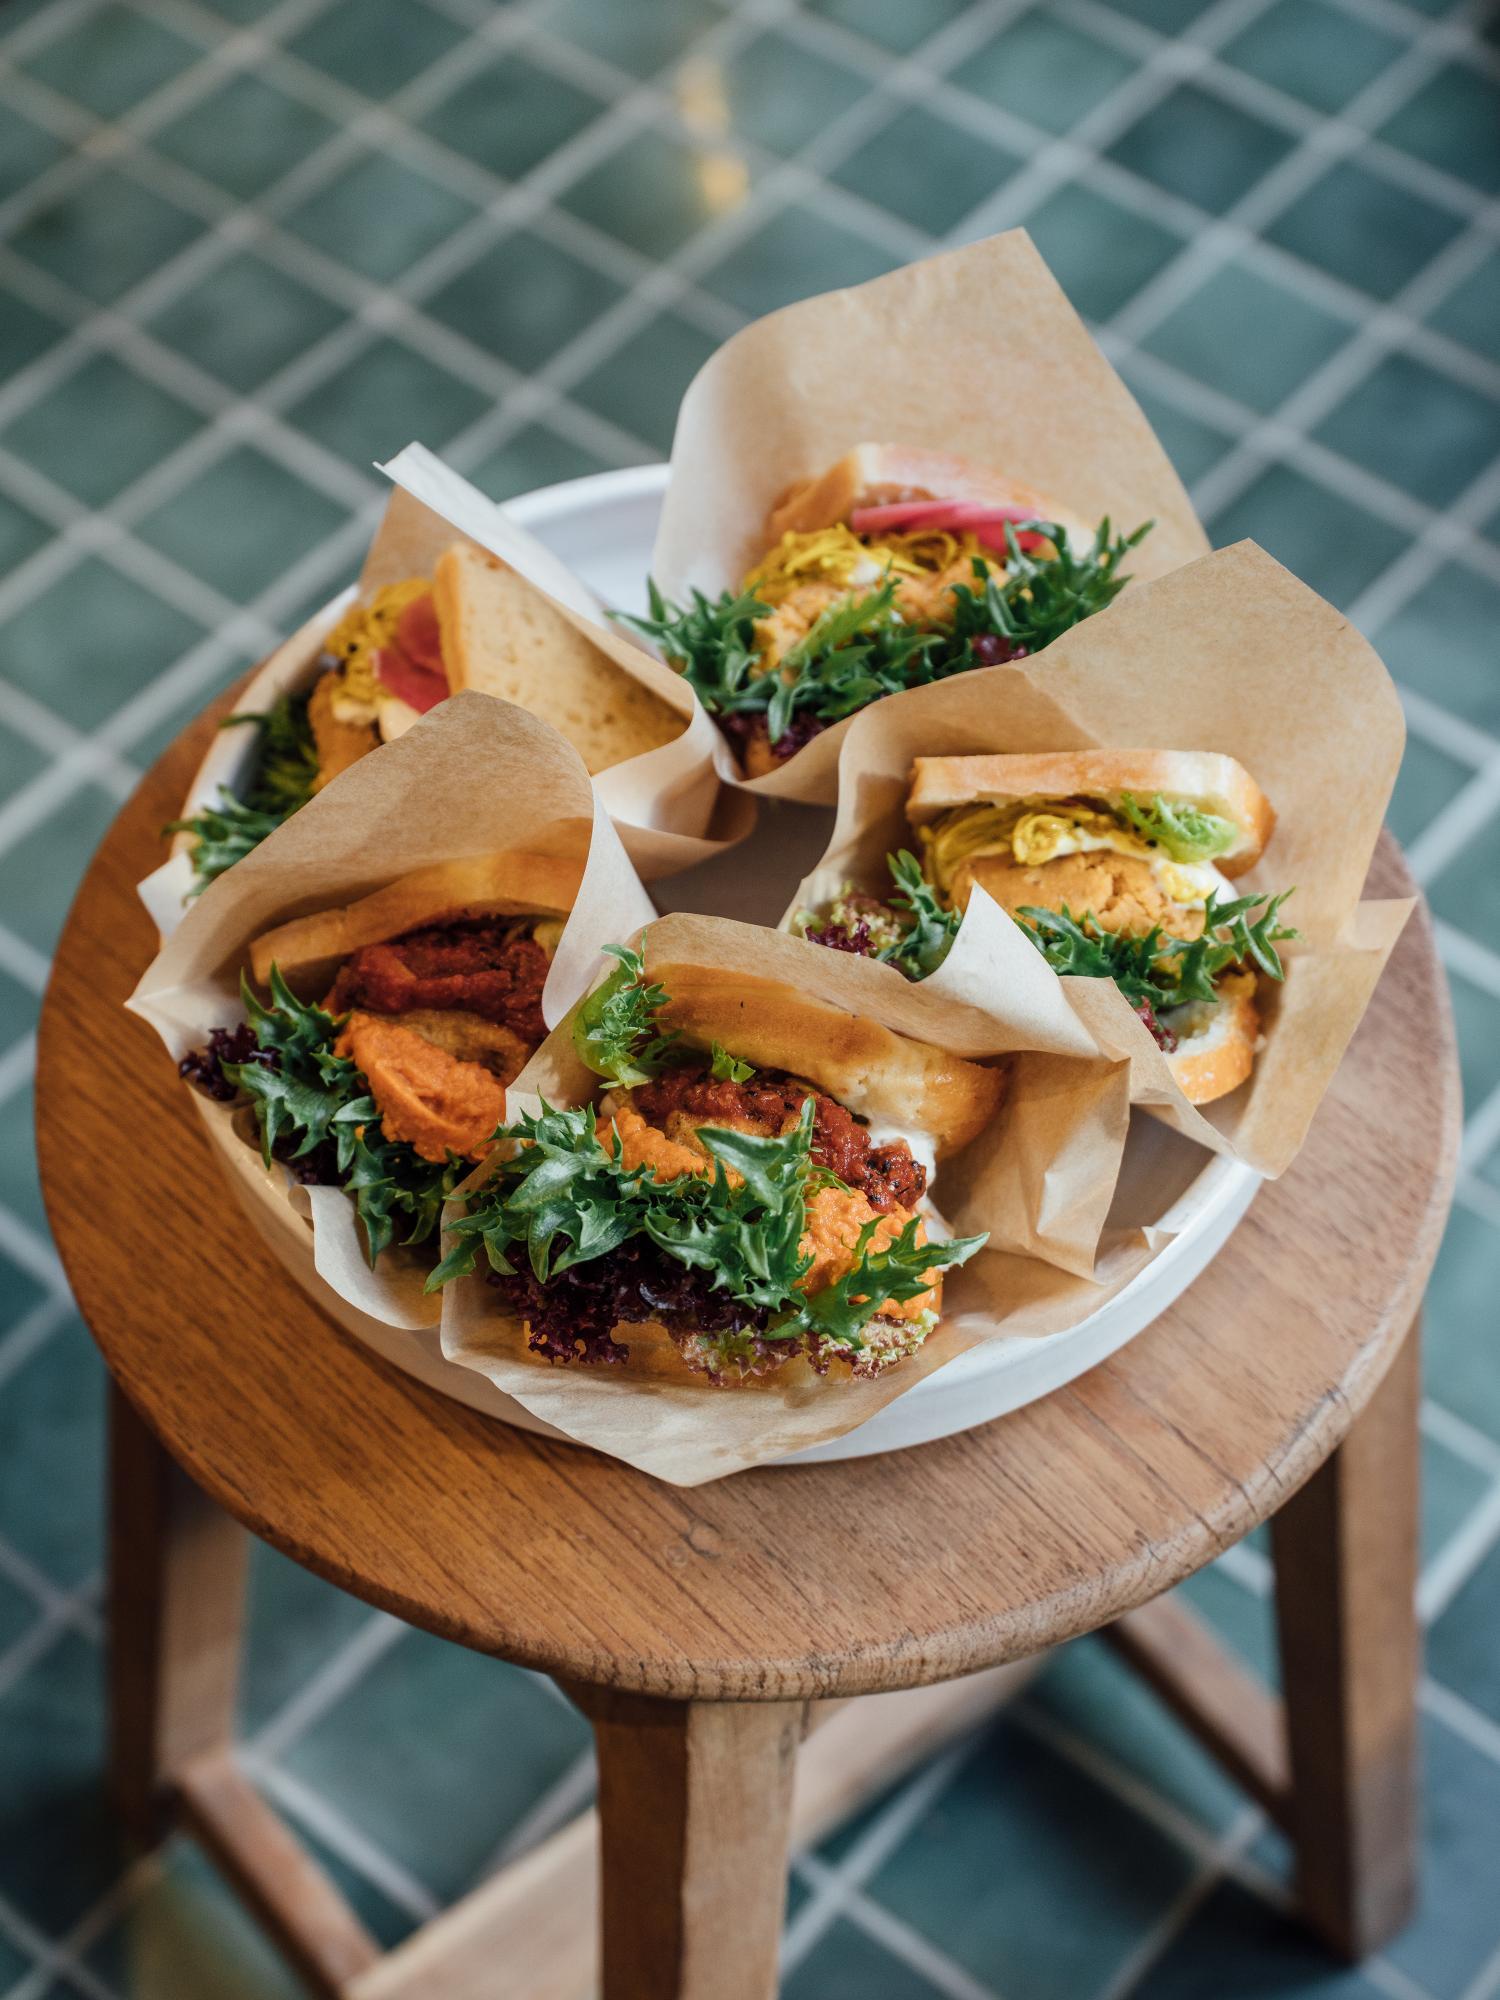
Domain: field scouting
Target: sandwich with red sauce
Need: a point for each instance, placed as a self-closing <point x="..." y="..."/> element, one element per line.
<point x="749" y="1183"/>
<point x="379" y="1037"/>
<point x="895" y="567"/>
<point x="1118" y="864"/>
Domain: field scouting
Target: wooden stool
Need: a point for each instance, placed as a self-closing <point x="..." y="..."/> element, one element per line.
<point x="695" y="1628"/>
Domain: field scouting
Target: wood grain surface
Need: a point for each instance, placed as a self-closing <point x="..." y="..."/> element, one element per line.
<point x="775" y="1585"/>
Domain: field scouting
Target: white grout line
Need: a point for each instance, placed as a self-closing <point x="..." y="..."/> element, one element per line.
<point x="1460" y="1556"/>
<point x="1455" y="826"/>
<point x="1465" y="955"/>
<point x="562" y="1801"/>
<point x="912" y="1948"/>
<point x="338" y="1675"/>
<point x="51" y="1960"/>
<point x="397" y="1884"/>
<point x="31" y="1332"/>
<point x="1461" y="1438"/>
<point x="20" y="1242"/>
<point x="1486" y="1982"/>
<point x="1241" y="1833"/>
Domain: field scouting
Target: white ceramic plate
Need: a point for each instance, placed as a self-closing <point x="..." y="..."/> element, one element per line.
<point x="604" y="527"/>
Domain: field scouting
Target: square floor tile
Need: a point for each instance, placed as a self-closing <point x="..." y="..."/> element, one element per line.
<point x="1458" y="1354"/>
<point x="296" y="1624"/>
<point x="1314" y="50"/>
<point x="1476" y="1015"/>
<point x="20" y="1293"/>
<point x="104" y="235"/>
<point x="535" y="456"/>
<point x="170" y="721"/>
<point x="112" y="59"/>
<point x="1192" y="444"/>
<point x="1167" y="17"/>
<point x="27" y="150"/>
<point x="1442" y="643"/>
<point x="1202" y="148"/>
<point x="1467" y="891"/>
<point x="847" y="1964"/>
<point x="641" y="384"/>
<point x="1426" y="433"/>
<point x="1453" y="122"/>
<point x="55" y="643"/>
<point x="653" y="193"/>
<point x="510" y="115"/>
<point x="525" y="299"/>
<point x="60" y="1846"/>
<point x="380" y="216"/>
<point x="99" y="429"/>
<point x="641" y="36"/>
<point x="239" y="524"/>
<point x="1043" y="70"/>
<point x="378" y="47"/>
<point x="1249" y="337"/>
<point x="20" y="1190"/>
<point x="26" y="332"/>
<point x="1359" y="227"/>
<point x="21" y="535"/>
<point x="245" y="321"/>
<point x="493" y="1740"/>
<point x="1237" y="1947"/>
<point x="1328" y="541"/>
<point x="244" y="136"/>
<point x="1457" y="1926"/>
<point x="1452" y="1488"/>
<point x="19" y="1615"/>
<point x="1461" y="1651"/>
<point x="796" y="253"/>
<point x="1100" y="253"/>
<point x="52" y="1456"/>
<point x="1429" y="779"/>
<point x="42" y="870"/>
<point x="388" y="395"/>
<point x="929" y="171"/>
<point x="781" y="94"/>
<point x="1031" y="1876"/>
<point x="898" y="25"/>
<point x="1471" y="311"/>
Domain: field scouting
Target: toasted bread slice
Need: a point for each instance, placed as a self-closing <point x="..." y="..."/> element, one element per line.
<point x="1217" y="1052"/>
<point x="877" y="1073"/>
<point x="873" y="474"/>
<point x="514" y="883"/>
<point x="501" y="636"/>
<point x="1202" y="778"/>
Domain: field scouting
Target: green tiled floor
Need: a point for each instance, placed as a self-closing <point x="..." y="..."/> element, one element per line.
<point x="378" y="220"/>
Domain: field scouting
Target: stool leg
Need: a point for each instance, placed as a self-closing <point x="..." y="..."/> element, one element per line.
<point x="176" y="1599"/>
<point x="695" y="1808"/>
<point x="1345" y="1550"/>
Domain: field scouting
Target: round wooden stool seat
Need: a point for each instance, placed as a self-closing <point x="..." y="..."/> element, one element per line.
<point x="827" y="1580"/>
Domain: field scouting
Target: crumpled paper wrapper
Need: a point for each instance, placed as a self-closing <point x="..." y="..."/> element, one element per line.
<point x="976" y="351"/>
<point x="477" y="776"/>
<point x="1232" y="654"/>
<point x="1040" y="1179"/>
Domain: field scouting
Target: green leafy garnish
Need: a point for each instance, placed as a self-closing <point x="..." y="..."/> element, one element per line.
<point x="725" y="1068"/>
<point x="306" y="1097"/>
<point x="564" y="1196"/>
<point x="1165" y="971"/>
<point x="930" y="931"/>
<point x="1182" y="832"/>
<point x="286" y="772"/>
<point x="615" y="1030"/>
<point x="861" y="648"/>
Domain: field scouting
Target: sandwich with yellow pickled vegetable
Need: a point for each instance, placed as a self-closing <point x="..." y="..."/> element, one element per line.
<point x="393" y="656"/>
<point x="895" y="567"/>
<point x="749" y="1183"/>
<point x="391" y="1084"/>
<point x="1118" y="864"/>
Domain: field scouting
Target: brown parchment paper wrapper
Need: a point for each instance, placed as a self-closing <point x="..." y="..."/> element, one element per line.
<point x="976" y="351"/>
<point x="1040" y="1179"/>
<point x="476" y="776"/>
<point x="667" y="804"/>
<point x="1232" y="654"/>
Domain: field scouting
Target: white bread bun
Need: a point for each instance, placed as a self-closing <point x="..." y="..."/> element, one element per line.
<point x="1217" y="1052"/>
<point x="501" y="636"/>
<point x="514" y="883"/>
<point x="1201" y="778"/>
<point x="881" y="1076"/>
<point x="873" y="475"/>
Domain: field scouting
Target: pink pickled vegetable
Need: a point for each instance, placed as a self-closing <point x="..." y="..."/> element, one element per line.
<point x="418" y="636"/>
<point x="985" y="520"/>
<point x="412" y="666"/>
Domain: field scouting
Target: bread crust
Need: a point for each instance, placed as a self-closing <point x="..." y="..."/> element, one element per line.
<point x="1226" y="1052"/>
<point x="514" y="883"/>
<point x="1204" y="778"/>
<point x="873" y="473"/>
<point x="878" y="1074"/>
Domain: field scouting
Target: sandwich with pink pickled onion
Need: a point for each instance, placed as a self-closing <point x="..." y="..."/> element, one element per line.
<point x="895" y="567"/>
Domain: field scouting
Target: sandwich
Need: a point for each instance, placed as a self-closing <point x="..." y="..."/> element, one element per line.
<point x="748" y="1186"/>
<point x="475" y="624"/>
<point x="895" y="567"/>
<point x="391" y="1085"/>
<point x="1118" y="864"/>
